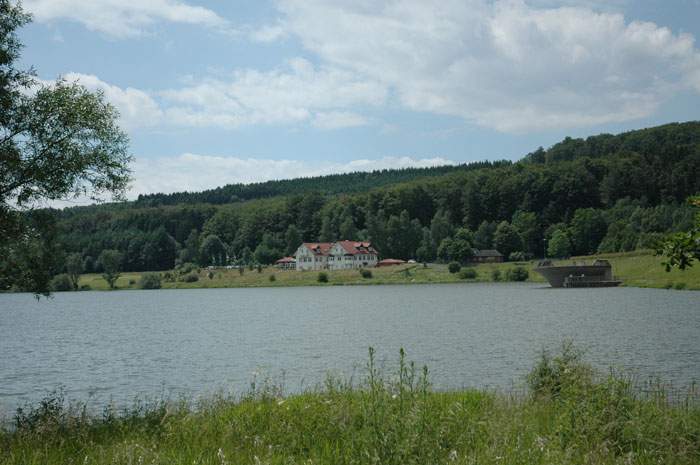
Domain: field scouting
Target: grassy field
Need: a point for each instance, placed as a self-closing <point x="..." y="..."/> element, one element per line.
<point x="639" y="269"/>
<point x="568" y="416"/>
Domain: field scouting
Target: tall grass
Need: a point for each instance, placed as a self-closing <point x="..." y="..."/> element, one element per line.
<point x="570" y="415"/>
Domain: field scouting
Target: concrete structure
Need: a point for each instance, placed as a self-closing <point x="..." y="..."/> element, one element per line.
<point x="598" y="274"/>
<point x="286" y="263"/>
<point x="340" y="255"/>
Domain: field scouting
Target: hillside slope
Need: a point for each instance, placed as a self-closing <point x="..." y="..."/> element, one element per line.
<point x="607" y="193"/>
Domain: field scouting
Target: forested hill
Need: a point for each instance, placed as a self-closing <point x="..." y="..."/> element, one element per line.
<point x="641" y="141"/>
<point x="329" y="184"/>
<point x="604" y="193"/>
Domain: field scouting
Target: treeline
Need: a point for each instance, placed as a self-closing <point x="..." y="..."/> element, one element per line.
<point x="606" y="193"/>
<point x="330" y="184"/>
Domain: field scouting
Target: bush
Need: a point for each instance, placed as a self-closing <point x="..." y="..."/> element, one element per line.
<point x="150" y="281"/>
<point x="516" y="257"/>
<point x="668" y="285"/>
<point x="273" y="278"/>
<point x="241" y="270"/>
<point x="679" y="286"/>
<point x="259" y="267"/>
<point x="496" y="275"/>
<point x="517" y="274"/>
<point x="322" y="277"/>
<point x="210" y="275"/>
<point x="468" y="273"/>
<point x="561" y="375"/>
<point x="132" y="281"/>
<point x="454" y="267"/>
<point x="85" y="287"/>
<point x="365" y="273"/>
<point x="61" y="282"/>
<point x="186" y="268"/>
<point x="191" y="278"/>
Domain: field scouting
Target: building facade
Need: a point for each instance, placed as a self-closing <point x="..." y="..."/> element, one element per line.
<point x="340" y="255"/>
<point x="487" y="256"/>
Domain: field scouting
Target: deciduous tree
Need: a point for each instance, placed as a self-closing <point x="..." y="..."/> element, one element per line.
<point x="74" y="268"/>
<point x="111" y="263"/>
<point x="57" y="140"/>
<point x="506" y="239"/>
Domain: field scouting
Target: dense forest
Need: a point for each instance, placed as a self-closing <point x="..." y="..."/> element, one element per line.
<point x="330" y="184"/>
<point x="605" y="193"/>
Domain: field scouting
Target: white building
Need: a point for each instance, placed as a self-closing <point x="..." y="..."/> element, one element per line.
<point x="339" y="255"/>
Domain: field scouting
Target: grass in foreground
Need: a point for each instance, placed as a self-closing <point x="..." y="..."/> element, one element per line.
<point x="636" y="269"/>
<point x="570" y="416"/>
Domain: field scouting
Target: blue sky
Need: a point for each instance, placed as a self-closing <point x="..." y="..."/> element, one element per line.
<point x="213" y="92"/>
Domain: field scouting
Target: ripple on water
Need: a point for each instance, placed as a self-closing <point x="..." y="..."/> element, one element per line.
<point x="121" y="345"/>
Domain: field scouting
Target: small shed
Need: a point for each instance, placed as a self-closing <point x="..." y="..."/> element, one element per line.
<point x="286" y="263"/>
<point x="487" y="256"/>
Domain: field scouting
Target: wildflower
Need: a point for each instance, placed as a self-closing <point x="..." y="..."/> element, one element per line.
<point x="222" y="457"/>
<point x="541" y="443"/>
<point x="453" y="455"/>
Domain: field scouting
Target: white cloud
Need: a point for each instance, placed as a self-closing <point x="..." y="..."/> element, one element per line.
<point x="136" y="108"/>
<point x="338" y="119"/>
<point x="122" y="18"/>
<point x="506" y="64"/>
<point x="270" y="33"/>
<point x="296" y="93"/>
<point x="191" y="172"/>
<point x="598" y="5"/>
<point x="511" y="65"/>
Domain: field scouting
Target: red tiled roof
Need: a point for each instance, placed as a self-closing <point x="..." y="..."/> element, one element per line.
<point x="390" y="261"/>
<point x="286" y="260"/>
<point x="357" y="248"/>
<point x="318" y="248"/>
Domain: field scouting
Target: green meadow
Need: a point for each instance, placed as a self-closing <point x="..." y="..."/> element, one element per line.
<point x="568" y="415"/>
<point x="636" y="269"/>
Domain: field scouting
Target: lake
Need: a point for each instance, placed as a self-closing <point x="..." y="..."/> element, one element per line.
<point x="102" y="346"/>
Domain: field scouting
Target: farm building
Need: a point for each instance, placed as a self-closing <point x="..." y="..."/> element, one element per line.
<point x="338" y="255"/>
<point x="487" y="256"/>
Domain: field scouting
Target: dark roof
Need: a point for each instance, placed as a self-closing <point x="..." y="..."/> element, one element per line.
<point x="487" y="253"/>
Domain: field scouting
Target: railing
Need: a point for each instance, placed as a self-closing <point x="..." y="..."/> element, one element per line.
<point x="583" y="281"/>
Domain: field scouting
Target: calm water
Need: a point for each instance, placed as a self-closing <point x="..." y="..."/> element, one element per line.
<point x="119" y="345"/>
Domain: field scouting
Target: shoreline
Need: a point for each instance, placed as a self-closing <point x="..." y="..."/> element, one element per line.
<point x="636" y="269"/>
<point x="568" y="413"/>
<point x="640" y="269"/>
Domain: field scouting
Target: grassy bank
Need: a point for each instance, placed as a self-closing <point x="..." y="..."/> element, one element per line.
<point x="640" y="269"/>
<point x="570" y="416"/>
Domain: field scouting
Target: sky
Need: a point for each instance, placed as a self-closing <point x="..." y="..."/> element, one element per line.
<point x="217" y="92"/>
